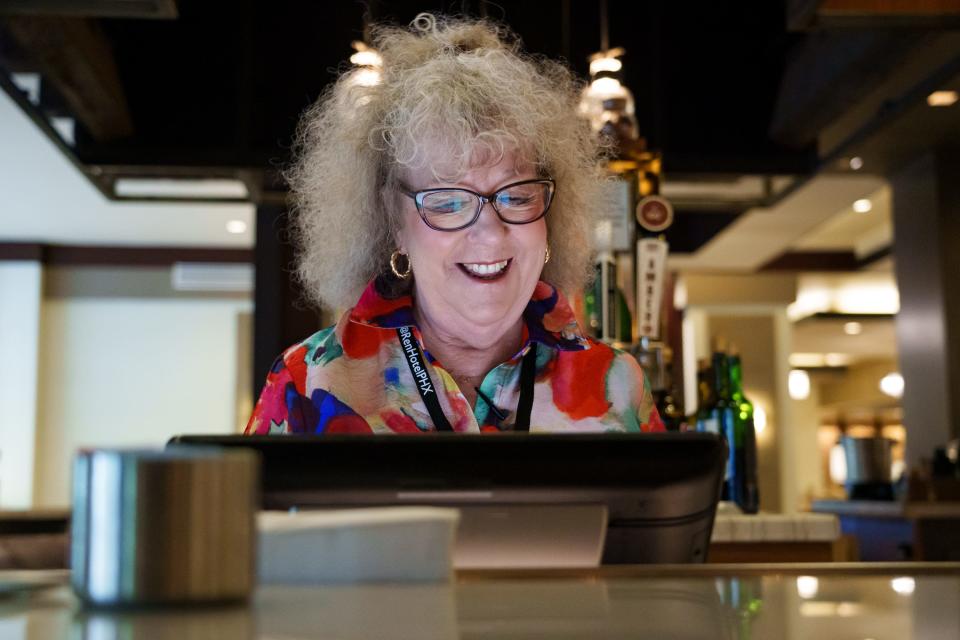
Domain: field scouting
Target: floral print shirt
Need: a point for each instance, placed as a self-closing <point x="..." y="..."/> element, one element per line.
<point x="354" y="378"/>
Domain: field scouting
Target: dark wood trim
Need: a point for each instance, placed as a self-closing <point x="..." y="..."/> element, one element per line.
<point x="180" y="200"/>
<point x="849" y="317"/>
<point x="824" y="260"/>
<point x="143" y="256"/>
<point x="71" y="255"/>
<point x="10" y="251"/>
<point x="879" y="254"/>
<point x="813" y="261"/>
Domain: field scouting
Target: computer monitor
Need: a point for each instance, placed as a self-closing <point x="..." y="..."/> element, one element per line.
<point x="660" y="491"/>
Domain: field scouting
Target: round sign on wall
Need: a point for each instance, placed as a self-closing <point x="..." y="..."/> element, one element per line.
<point x="654" y="213"/>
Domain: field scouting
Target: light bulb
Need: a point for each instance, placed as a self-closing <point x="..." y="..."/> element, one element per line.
<point x="604" y="64"/>
<point x="942" y="98"/>
<point x="798" y="384"/>
<point x="807" y="587"/>
<point x="905" y="586"/>
<point x="236" y="226"/>
<point x="367" y="58"/>
<point x="604" y="86"/>
<point x="892" y="385"/>
<point x="365" y="77"/>
<point x="759" y="419"/>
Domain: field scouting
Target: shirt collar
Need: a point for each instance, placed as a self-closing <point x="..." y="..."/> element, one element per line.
<point x="548" y="317"/>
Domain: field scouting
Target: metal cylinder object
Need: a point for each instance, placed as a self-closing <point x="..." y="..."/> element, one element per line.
<point x="869" y="460"/>
<point x="170" y="526"/>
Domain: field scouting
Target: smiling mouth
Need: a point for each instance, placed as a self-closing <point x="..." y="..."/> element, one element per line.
<point x="486" y="271"/>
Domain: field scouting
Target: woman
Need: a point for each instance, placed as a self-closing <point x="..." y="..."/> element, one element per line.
<point x="432" y="203"/>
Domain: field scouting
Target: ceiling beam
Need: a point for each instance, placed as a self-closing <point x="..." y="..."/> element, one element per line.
<point x="73" y="55"/>
<point x="831" y="71"/>
<point x="824" y="260"/>
<point x="805" y="15"/>
<point x="146" y="9"/>
<point x="90" y="255"/>
<point x="813" y="261"/>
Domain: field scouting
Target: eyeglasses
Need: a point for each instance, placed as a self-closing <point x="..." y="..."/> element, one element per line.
<point x="452" y="209"/>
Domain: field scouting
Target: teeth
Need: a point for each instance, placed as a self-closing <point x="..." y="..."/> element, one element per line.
<point x="485" y="269"/>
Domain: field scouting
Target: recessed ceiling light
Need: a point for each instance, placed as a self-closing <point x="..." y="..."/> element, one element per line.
<point x="798" y="384"/>
<point x="862" y="205"/>
<point x="905" y="586"/>
<point x="942" y="98"/>
<point x="806" y="360"/>
<point x="179" y="188"/>
<point x="236" y="226"/>
<point x="836" y="360"/>
<point x="807" y="587"/>
<point x="892" y="385"/>
<point x="856" y="163"/>
<point x="853" y="328"/>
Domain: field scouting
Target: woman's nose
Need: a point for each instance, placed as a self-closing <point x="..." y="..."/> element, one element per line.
<point x="488" y="224"/>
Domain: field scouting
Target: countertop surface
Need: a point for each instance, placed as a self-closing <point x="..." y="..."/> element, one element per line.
<point x="900" y="601"/>
<point x="775" y="527"/>
<point x="889" y="509"/>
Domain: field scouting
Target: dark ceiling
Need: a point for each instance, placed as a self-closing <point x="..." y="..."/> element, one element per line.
<point x="705" y="87"/>
<point x="223" y="82"/>
<point x="724" y="88"/>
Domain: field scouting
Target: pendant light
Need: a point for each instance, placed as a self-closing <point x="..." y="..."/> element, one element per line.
<point x="606" y="102"/>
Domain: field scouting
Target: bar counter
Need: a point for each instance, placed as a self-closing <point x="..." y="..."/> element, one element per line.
<point x="835" y="600"/>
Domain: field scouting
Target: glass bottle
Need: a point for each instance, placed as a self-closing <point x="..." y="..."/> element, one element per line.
<point x="747" y="494"/>
<point x="705" y="397"/>
<point x="723" y="412"/>
<point x="671" y="413"/>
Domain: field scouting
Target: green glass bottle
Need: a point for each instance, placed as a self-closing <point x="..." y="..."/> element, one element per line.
<point x="592" y="306"/>
<point x="624" y="324"/>
<point x="746" y="490"/>
<point x="722" y="413"/>
<point x="671" y="413"/>
<point x="705" y="398"/>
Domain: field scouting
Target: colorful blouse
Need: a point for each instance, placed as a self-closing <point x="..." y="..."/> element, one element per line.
<point x="354" y="378"/>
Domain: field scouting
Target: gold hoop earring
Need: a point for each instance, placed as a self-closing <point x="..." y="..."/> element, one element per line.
<point x="546" y="258"/>
<point x="393" y="265"/>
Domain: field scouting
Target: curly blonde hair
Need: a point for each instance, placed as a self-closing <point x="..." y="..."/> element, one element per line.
<point x="454" y="87"/>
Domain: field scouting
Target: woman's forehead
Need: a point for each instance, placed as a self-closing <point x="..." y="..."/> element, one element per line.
<point x="483" y="162"/>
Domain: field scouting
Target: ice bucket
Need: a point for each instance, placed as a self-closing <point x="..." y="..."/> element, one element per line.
<point x="166" y="526"/>
<point x="868" y="467"/>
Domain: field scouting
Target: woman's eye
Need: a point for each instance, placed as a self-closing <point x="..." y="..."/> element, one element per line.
<point x="515" y="200"/>
<point x="445" y="204"/>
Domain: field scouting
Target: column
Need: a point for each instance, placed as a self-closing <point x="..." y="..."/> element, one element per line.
<point x="281" y="316"/>
<point x="926" y="212"/>
<point x="21" y="295"/>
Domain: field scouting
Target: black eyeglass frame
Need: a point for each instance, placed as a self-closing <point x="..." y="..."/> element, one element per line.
<point x="482" y="199"/>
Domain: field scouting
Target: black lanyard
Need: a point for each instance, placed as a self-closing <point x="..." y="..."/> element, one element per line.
<point x="428" y="392"/>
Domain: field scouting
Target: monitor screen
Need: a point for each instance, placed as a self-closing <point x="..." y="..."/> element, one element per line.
<point x="660" y="491"/>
